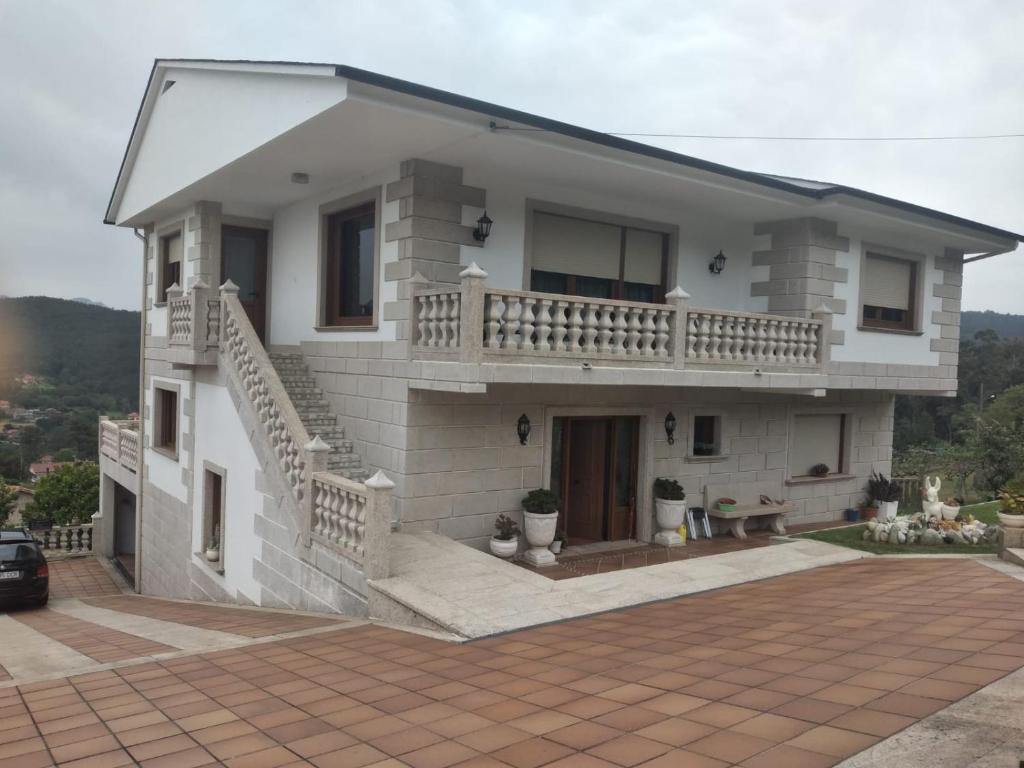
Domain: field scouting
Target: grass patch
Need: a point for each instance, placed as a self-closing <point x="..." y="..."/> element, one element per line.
<point x="852" y="537"/>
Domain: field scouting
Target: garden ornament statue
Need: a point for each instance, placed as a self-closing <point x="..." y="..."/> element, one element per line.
<point x="932" y="506"/>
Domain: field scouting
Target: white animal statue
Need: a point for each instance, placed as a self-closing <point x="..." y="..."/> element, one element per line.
<point x="932" y="506"/>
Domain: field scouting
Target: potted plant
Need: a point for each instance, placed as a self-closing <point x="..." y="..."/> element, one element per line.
<point x="868" y="510"/>
<point x="1011" y="505"/>
<point x="540" y="518"/>
<point x="505" y="542"/>
<point x="950" y="509"/>
<point x="670" y="511"/>
<point x="558" y="542"/>
<point x="213" y="547"/>
<point x="852" y="514"/>
<point x="820" y="470"/>
<point x="886" y="495"/>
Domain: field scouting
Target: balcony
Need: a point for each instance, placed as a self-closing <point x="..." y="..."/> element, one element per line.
<point x="473" y="323"/>
<point x="119" y="442"/>
<point x="193" y="325"/>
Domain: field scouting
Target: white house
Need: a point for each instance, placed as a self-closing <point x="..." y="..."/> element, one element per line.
<point x="336" y="354"/>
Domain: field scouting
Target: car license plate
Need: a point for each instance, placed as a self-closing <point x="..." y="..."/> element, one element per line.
<point x="10" y="575"/>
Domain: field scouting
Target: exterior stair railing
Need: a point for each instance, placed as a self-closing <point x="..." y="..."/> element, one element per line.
<point x="351" y="518"/>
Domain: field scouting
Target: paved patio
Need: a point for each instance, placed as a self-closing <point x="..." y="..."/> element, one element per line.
<point x="803" y="670"/>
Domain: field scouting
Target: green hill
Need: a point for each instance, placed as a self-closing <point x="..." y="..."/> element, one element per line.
<point x="88" y="354"/>
<point x="1007" y="326"/>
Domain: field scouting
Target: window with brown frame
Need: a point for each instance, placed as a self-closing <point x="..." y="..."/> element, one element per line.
<point x="165" y="431"/>
<point x="213" y="515"/>
<point x="349" y="278"/>
<point x="818" y="439"/>
<point x="171" y="252"/>
<point x="581" y="257"/>
<point x="889" y="292"/>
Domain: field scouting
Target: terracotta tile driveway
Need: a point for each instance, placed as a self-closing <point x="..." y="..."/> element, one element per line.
<point x="797" y="671"/>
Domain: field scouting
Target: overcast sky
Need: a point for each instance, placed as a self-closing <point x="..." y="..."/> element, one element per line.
<point x="74" y="73"/>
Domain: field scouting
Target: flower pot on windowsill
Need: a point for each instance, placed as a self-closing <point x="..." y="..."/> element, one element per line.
<point x="212" y="554"/>
<point x="504" y="548"/>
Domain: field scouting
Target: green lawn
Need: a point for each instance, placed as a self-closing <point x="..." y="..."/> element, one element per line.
<point x="851" y="536"/>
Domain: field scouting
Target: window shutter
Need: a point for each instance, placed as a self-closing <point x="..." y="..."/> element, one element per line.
<point x="575" y="247"/>
<point x="174" y="249"/>
<point x="815" y="441"/>
<point x="886" y="282"/>
<point x="643" y="256"/>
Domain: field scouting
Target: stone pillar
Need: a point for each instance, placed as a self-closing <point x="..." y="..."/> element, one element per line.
<point x="948" y="289"/>
<point x="429" y="231"/>
<point x="824" y="315"/>
<point x="377" y="529"/>
<point x="316" y="451"/>
<point x="802" y="267"/>
<point x="203" y="231"/>
<point x="471" y="328"/>
<point x="681" y="300"/>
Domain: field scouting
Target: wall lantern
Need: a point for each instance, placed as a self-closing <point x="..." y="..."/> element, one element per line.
<point x="670" y="428"/>
<point x="523" y="429"/>
<point x="483" y="228"/>
<point x="717" y="264"/>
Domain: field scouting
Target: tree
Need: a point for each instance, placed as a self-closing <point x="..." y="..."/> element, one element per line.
<point x="69" y="494"/>
<point x="999" y="449"/>
<point x="8" y="497"/>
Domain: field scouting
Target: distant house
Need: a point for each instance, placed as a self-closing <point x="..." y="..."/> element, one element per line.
<point x="5" y="405"/>
<point x="44" y="466"/>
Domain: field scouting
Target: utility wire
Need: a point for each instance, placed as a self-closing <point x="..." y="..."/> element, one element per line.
<point x="971" y="137"/>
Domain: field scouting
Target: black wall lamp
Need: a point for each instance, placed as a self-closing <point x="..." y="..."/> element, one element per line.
<point x="483" y="228"/>
<point x="717" y="264"/>
<point x="523" y="429"/>
<point x="670" y="428"/>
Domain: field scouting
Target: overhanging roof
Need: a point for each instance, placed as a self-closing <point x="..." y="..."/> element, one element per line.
<point x="803" y="187"/>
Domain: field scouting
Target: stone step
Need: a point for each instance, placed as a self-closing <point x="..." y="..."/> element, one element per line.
<point x="311" y="407"/>
<point x="1013" y="555"/>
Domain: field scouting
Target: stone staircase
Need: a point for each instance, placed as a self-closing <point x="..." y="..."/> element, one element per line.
<point x="316" y="415"/>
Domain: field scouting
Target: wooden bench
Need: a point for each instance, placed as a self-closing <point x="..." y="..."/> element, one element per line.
<point x="748" y="504"/>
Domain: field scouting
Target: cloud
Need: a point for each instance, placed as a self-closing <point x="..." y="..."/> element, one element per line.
<point x="75" y="71"/>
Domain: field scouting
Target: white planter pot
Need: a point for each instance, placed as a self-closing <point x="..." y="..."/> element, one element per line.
<point x="886" y="510"/>
<point x="1011" y="521"/>
<point x="949" y="512"/>
<point x="669" y="515"/>
<point x="540" y="532"/>
<point x="212" y="555"/>
<point x="504" y="547"/>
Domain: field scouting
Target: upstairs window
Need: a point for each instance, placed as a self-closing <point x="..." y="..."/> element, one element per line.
<point x="171" y="252"/>
<point x="350" y="266"/>
<point x="888" y="290"/>
<point x="579" y="257"/>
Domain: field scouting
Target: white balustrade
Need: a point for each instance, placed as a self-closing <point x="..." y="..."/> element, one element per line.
<point x="71" y="539"/>
<point x="720" y="336"/>
<point x="119" y="441"/>
<point x="437" y="319"/>
<point x="339" y="513"/>
<point x="179" y="310"/>
<point x="550" y="325"/>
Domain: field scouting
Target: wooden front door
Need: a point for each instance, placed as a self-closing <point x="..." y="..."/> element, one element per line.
<point x="596" y="471"/>
<point x="244" y="262"/>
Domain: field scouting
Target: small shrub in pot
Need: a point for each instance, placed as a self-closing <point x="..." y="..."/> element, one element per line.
<point x="670" y="511"/>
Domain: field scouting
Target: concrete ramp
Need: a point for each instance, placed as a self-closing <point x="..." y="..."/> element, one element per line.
<point x="439" y="584"/>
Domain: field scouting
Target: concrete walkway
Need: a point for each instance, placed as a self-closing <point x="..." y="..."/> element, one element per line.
<point x="473" y="594"/>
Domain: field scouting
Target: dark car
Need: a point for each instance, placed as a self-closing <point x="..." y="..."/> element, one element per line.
<point x="24" y="573"/>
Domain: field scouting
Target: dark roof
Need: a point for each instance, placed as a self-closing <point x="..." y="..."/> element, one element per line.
<point x="803" y="187"/>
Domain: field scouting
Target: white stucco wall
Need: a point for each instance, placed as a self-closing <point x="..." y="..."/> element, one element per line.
<point x="295" y="265"/>
<point x="163" y="470"/>
<point x="875" y="347"/>
<point x="221" y="440"/>
<point x="209" y="118"/>
<point x="700" y="238"/>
